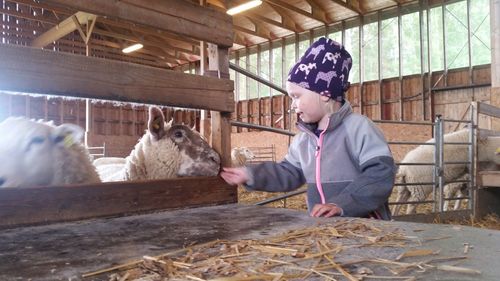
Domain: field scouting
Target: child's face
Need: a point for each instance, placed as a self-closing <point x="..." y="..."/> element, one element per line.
<point x="307" y="104"/>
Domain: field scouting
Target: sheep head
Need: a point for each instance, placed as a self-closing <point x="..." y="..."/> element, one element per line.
<point x="198" y="158"/>
<point x="240" y="156"/>
<point x="29" y="151"/>
<point x="195" y="156"/>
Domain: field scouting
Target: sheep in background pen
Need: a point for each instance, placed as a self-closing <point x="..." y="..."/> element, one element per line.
<point x="40" y="154"/>
<point x="164" y="151"/>
<point x="455" y="189"/>
<point x="241" y="155"/>
<point x="424" y="174"/>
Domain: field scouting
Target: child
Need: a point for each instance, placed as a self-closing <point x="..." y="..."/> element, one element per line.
<point x="342" y="156"/>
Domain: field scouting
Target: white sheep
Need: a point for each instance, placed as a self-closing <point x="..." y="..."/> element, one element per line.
<point x="455" y="189"/>
<point x="424" y="174"/>
<point x="39" y="154"/>
<point x="164" y="151"/>
<point x="241" y="155"/>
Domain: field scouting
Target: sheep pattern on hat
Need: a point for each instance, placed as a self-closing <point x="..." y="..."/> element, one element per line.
<point x="323" y="69"/>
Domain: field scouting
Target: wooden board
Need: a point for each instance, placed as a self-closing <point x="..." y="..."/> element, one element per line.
<point x="489" y="179"/>
<point x="66" y="251"/>
<point x="32" y="70"/>
<point x="177" y="16"/>
<point x="22" y="206"/>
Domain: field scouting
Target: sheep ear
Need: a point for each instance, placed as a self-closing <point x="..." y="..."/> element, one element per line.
<point x="156" y="123"/>
<point x="67" y="134"/>
<point x="169" y="124"/>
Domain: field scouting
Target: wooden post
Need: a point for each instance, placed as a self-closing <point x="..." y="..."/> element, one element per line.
<point x="218" y="60"/>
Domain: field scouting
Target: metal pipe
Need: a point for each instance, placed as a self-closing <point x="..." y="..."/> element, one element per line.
<point x="414" y="183"/>
<point x="412" y="202"/>
<point x="402" y="122"/>
<point x="472" y="158"/>
<point x="440" y="89"/>
<point x="256" y="77"/>
<point x="284" y="196"/>
<point x="263" y="128"/>
<point x="415" y="164"/>
<point x="440" y="136"/>
<point x="436" y="170"/>
<point x="410" y="143"/>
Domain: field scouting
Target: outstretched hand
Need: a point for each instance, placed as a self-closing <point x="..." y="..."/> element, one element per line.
<point x="235" y="176"/>
<point x="326" y="210"/>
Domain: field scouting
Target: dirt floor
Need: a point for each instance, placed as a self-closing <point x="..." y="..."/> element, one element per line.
<point x="392" y="132"/>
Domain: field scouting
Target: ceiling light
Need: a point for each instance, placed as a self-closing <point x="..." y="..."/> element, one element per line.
<point x="132" y="48"/>
<point x="244" y="7"/>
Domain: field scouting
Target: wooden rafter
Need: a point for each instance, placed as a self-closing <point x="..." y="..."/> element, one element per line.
<point x="280" y="24"/>
<point x="256" y="33"/>
<point x="353" y="5"/>
<point x="70" y="24"/>
<point x="318" y="11"/>
<point x="292" y="8"/>
<point x="285" y="18"/>
<point x="173" y="16"/>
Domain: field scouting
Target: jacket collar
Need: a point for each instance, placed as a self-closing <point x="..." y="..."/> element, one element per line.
<point x="335" y="120"/>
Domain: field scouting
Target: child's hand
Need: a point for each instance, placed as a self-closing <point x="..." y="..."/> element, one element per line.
<point x="234" y="176"/>
<point x="326" y="210"/>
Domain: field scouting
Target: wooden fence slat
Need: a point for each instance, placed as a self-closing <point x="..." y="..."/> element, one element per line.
<point x="23" y="206"/>
<point x="32" y="70"/>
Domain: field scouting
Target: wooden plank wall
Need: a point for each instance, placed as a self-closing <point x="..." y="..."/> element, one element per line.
<point x="119" y="125"/>
<point x="448" y="103"/>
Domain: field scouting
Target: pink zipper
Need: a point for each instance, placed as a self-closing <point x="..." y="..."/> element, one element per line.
<point x="318" y="167"/>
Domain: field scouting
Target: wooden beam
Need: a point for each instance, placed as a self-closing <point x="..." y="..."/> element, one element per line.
<point x="177" y="16"/>
<point x="318" y="11"/>
<point x="131" y="38"/>
<point x="109" y="22"/>
<point x="256" y="33"/>
<point x="23" y="206"/>
<point x="296" y="10"/>
<point x="32" y="70"/>
<point x="352" y="5"/>
<point x="286" y="19"/>
<point x="18" y="14"/>
<point x="62" y="29"/>
<point x="272" y="22"/>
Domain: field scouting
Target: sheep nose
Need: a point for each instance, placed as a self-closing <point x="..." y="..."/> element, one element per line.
<point x="2" y="181"/>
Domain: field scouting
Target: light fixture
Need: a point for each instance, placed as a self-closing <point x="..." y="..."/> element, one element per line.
<point x="132" y="48"/>
<point x="244" y="7"/>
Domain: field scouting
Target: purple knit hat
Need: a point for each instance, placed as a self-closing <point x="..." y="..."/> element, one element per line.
<point x="323" y="69"/>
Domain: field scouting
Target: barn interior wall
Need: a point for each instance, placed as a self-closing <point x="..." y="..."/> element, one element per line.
<point x="117" y="125"/>
<point x="450" y="104"/>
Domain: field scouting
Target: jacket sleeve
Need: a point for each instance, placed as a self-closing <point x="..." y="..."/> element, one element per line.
<point x="370" y="190"/>
<point x="274" y="177"/>
<point x="278" y="177"/>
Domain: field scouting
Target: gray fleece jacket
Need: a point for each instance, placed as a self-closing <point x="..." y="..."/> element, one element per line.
<point x="356" y="168"/>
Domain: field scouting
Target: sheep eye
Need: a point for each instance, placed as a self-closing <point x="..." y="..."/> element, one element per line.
<point x="178" y="134"/>
<point x="34" y="141"/>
